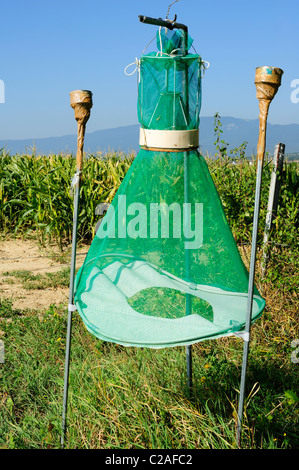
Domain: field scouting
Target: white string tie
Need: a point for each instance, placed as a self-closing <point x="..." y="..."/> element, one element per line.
<point x="137" y="63"/>
<point x="205" y="66"/>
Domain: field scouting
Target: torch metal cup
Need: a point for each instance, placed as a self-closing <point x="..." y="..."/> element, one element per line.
<point x="267" y="82"/>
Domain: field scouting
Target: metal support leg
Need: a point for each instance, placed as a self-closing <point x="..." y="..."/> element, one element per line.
<point x="76" y="185"/>
<point x="189" y="366"/>
<point x="186" y="200"/>
<point x="272" y="199"/>
<point x="187" y="272"/>
<point x="250" y="298"/>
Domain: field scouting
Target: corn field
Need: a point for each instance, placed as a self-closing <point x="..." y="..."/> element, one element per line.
<point x="36" y="196"/>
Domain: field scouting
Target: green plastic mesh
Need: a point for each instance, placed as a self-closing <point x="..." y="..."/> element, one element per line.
<point x="164" y="269"/>
<point x="169" y="92"/>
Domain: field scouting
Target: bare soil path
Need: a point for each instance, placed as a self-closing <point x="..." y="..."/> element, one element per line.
<point x="27" y="255"/>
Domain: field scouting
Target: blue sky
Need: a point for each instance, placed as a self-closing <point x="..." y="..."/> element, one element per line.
<point x="51" y="47"/>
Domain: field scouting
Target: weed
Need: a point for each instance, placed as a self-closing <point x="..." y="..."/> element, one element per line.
<point x="41" y="281"/>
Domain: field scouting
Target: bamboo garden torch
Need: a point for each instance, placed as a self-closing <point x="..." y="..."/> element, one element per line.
<point x="267" y="82"/>
<point x="81" y="102"/>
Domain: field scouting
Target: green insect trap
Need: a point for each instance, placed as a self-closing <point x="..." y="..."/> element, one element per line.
<point x="163" y="269"/>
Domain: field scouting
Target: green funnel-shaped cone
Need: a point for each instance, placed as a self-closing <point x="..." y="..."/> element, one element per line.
<point x="153" y="248"/>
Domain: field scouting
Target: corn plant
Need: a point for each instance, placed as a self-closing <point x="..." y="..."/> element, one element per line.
<point x="35" y="193"/>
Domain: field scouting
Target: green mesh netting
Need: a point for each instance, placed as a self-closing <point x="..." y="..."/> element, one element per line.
<point x="164" y="269"/>
<point x="169" y="92"/>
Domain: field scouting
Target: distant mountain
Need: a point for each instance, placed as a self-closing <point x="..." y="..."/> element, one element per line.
<point x="126" y="138"/>
<point x="236" y="131"/>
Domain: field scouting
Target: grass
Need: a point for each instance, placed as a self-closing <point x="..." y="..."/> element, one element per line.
<point x="40" y="281"/>
<point x="157" y="301"/>
<point x="137" y="398"/>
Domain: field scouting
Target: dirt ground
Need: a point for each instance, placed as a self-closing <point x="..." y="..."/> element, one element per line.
<point x="26" y="255"/>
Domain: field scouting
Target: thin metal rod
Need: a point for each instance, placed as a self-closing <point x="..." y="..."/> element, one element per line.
<point x="188" y="302"/>
<point x="186" y="200"/>
<point x="250" y="297"/>
<point x="189" y="362"/>
<point x="70" y="310"/>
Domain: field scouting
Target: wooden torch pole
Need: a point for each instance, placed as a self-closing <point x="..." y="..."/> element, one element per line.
<point x="81" y="102"/>
<point x="267" y="81"/>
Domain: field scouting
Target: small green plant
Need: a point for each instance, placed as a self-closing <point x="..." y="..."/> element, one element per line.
<point x="7" y="310"/>
<point x="237" y="153"/>
<point x="41" y="281"/>
<point x="220" y="145"/>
